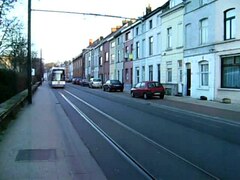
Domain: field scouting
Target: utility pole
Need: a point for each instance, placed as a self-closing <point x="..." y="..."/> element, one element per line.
<point x="29" y="58"/>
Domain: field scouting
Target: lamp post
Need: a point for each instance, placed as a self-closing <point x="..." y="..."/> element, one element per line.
<point x="29" y="59"/>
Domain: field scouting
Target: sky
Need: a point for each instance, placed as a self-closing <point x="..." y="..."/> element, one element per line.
<point x="61" y="37"/>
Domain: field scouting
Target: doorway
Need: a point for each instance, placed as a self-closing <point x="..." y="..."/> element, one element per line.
<point x="188" y="65"/>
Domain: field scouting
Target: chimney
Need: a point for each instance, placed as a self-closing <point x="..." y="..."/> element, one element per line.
<point x="90" y="42"/>
<point x="113" y="30"/>
<point x="148" y="9"/>
<point x="124" y="22"/>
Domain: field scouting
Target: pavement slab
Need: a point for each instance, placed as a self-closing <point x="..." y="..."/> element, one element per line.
<point x="41" y="143"/>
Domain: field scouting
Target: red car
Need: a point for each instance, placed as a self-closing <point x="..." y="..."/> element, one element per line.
<point x="148" y="89"/>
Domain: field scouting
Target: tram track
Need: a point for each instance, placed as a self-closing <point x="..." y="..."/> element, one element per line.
<point x="121" y="150"/>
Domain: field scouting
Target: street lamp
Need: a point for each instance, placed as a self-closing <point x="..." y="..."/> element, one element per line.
<point x="29" y="59"/>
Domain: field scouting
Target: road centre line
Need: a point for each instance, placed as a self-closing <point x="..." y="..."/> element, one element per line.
<point x="142" y="136"/>
<point x="110" y="140"/>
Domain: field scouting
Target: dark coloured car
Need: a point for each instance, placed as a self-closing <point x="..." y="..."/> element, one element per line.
<point x="113" y="85"/>
<point x="148" y="89"/>
<point x="74" y="80"/>
<point x="84" y="82"/>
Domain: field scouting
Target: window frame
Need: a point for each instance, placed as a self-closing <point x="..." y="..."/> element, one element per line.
<point x="169" y="38"/>
<point x="234" y="64"/>
<point x="203" y="31"/>
<point x="137" y="50"/>
<point x="150" y="45"/>
<point x="150" y="72"/>
<point x="203" y="73"/>
<point x="232" y="21"/>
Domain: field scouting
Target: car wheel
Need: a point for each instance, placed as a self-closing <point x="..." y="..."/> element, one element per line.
<point x="145" y="96"/>
<point x="161" y="96"/>
<point x="132" y="94"/>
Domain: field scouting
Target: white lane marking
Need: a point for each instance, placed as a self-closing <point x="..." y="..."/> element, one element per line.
<point x="142" y="136"/>
<point x="110" y="140"/>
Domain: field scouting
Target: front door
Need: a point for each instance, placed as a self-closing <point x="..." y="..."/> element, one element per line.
<point x="188" y="79"/>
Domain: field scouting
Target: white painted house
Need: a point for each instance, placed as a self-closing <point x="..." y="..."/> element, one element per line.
<point x="172" y="48"/>
<point x="212" y="49"/>
<point x="147" y="47"/>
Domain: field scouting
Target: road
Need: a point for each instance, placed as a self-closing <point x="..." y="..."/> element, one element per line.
<point x="132" y="138"/>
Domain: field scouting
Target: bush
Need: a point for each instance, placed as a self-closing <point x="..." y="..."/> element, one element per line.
<point x="11" y="83"/>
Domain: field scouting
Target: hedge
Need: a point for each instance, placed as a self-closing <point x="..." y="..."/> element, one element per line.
<point x="11" y="83"/>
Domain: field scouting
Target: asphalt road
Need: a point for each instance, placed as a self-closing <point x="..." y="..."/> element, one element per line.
<point x="132" y="138"/>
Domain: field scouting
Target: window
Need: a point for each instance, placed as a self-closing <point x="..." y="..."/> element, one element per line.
<point x="169" y="71"/>
<point x="137" y="50"/>
<point x="127" y="49"/>
<point x="137" y="74"/>
<point x="180" y="34"/>
<point x="172" y="3"/>
<point x="169" y="74"/>
<point x="113" y="44"/>
<point x="203" y="31"/>
<point x="126" y="74"/>
<point x="159" y="20"/>
<point x="143" y="27"/>
<point x="150" y="45"/>
<point x="150" y="73"/>
<point x="187" y="35"/>
<point x="127" y="36"/>
<point x="143" y="73"/>
<point x="100" y="48"/>
<point x="158" y="42"/>
<point x="138" y="85"/>
<point x="112" y="58"/>
<point x="143" y="47"/>
<point x="106" y="55"/>
<point x="118" y="75"/>
<point x="202" y="2"/>
<point x="229" y="24"/>
<point x="131" y="48"/>
<point x="118" y="56"/>
<point x="204" y="73"/>
<point x="137" y="31"/>
<point x="100" y="61"/>
<point x="169" y="38"/>
<point x="126" y="53"/>
<point x="118" y="41"/>
<point x="180" y="71"/>
<point x="231" y="72"/>
<point x="150" y="24"/>
<point x="159" y="72"/>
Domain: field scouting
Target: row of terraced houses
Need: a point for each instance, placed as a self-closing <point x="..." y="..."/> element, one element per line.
<point x="191" y="46"/>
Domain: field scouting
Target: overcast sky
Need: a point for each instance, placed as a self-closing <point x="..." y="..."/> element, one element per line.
<point x="62" y="36"/>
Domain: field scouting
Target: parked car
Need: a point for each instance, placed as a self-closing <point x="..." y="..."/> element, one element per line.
<point x="113" y="85"/>
<point x="148" y="89"/>
<point x="74" y="80"/>
<point x="84" y="82"/>
<point x="95" y="83"/>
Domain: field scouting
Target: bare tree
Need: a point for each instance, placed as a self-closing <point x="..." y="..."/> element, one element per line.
<point x="13" y="44"/>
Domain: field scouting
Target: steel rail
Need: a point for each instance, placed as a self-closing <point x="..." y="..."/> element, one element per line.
<point x="110" y="140"/>
<point x="146" y="138"/>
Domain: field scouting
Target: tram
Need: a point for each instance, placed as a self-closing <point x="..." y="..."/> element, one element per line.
<point x="56" y="77"/>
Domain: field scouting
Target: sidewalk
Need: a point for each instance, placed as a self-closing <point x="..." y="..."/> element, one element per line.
<point x="214" y="104"/>
<point x="42" y="144"/>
